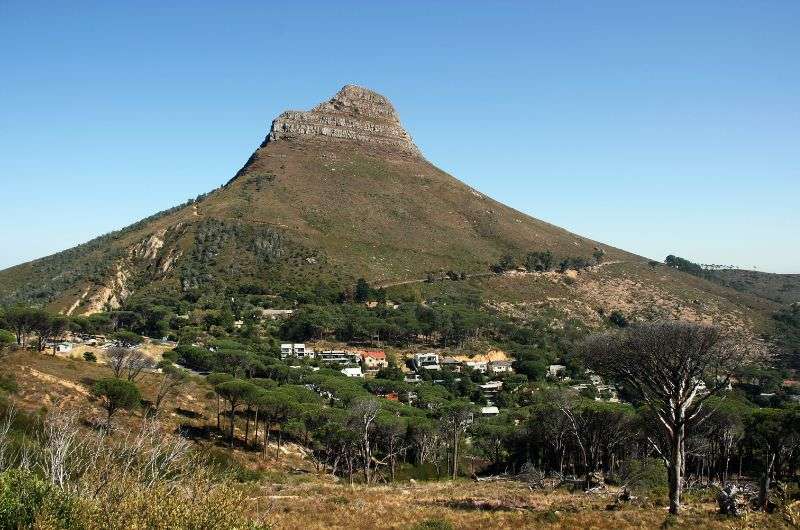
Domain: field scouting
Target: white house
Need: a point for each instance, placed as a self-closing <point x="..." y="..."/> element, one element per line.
<point x="274" y="314"/>
<point x="478" y="366"/>
<point x="352" y="371"/>
<point x="556" y="371"/>
<point x="492" y="387"/>
<point x="295" y="350"/>
<point x="338" y="357"/>
<point x="428" y="361"/>
<point x="490" y="411"/>
<point x="500" y="367"/>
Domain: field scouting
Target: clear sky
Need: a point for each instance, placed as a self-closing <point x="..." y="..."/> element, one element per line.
<point x="670" y="127"/>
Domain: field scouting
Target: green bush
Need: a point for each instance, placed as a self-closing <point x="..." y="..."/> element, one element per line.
<point x="89" y="357"/>
<point x="645" y="476"/>
<point x="26" y="499"/>
<point x="434" y="524"/>
<point x="6" y="337"/>
<point x="8" y="383"/>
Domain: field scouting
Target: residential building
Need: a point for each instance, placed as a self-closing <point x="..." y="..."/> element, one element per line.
<point x="352" y="371"/>
<point x="478" y="366"/>
<point x="274" y="314"/>
<point x="374" y="360"/>
<point x="500" y="367"/>
<point x="556" y="371"/>
<point x="339" y="357"/>
<point x="426" y="361"/>
<point x="492" y="387"/>
<point x="490" y="411"/>
<point x="451" y="363"/>
<point x="295" y="350"/>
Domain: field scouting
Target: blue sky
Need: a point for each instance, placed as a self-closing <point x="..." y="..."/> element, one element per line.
<point x="660" y="128"/>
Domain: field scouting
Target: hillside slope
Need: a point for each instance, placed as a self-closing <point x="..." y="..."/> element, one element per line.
<point x="342" y="192"/>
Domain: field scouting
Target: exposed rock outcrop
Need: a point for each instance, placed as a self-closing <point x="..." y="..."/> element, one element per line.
<point x="354" y="113"/>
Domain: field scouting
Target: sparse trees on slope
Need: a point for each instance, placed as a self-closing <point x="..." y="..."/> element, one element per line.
<point x="674" y="367"/>
<point x="116" y="394"/>
<point x="234" y="392"/>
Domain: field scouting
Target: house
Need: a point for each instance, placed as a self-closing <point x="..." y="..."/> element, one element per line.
<point x="492" y="387"/>
<point x="374" y="360"/>
<point x="450" y="363"/>
<point x="352" y="371"/>
<point x="412" y="378"/>
<point x="295" y="350"/>
<point x="427" y="361"/>
<point x="556" y="371"/>
<point x="500" y="367"/>
<point x="274" y="314"/>
<point x="490" y="411"/>
<point x="478" y="366"/>
<point x="338" y="357"/>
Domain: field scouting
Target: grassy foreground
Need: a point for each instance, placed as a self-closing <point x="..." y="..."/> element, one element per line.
<point x="468" y="504"/>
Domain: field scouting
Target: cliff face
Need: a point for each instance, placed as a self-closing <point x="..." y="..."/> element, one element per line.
<point x="354" y="113"/>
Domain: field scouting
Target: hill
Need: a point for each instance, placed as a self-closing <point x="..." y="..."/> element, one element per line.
<point x="342" y="192"/>
<point x="781" y="288"/>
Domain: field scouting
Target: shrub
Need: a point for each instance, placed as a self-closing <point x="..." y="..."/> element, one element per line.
<point x="89" y="357"/>
<point x="26" y="499"/>
<point x="8" y="383"/>
<point x="434" y="524"/>
<point x="645" y="476"/>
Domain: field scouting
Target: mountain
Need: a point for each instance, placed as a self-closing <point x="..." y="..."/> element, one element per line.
<point x="341" y="192"/>
<point x="781" y="288"/>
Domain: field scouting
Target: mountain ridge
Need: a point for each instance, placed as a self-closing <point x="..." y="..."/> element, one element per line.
<point x="341" y="192"/>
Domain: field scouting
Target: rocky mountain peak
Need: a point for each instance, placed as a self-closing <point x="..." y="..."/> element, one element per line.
<point x="355" y="113"/>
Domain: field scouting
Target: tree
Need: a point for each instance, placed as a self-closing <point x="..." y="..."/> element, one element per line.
<point x="137" y="362"/>
<point x="116" y="394"/>
<point x="456" y="417"/>
<point x="215" y="379"/>
<point x="172" y="379"/>
<point x="47" y="327"/>
<point x="20" y="319"/>
<point x="127" y="362"/>
<point x="539" y="261"/>
<point x="117" y="358"/>
<point x="771" y="430"/>
<point x="127" y="339"/>
<point x="89" y="357"/>
<point x="674" y="367"/>
<point x="234" y="392"/>
<point x="362" y="291"/>
<point x="363" y="412"/>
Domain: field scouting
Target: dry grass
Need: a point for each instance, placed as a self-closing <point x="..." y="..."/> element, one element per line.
<point x="319" y="505"/>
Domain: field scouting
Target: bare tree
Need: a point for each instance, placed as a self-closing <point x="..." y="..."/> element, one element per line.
<point x="136" y="363"/>
<point x="61" y="443"/>
<point x="172" y="379"/>
<point x="674" y="367"/>
<point x="118" y="359"/>
<point x="362" y="414"/>
<point x="455" y="420"/>
<point x="128" y="362"/>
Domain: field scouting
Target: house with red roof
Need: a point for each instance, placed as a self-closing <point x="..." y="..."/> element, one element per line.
<point x="374" y="360"/>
